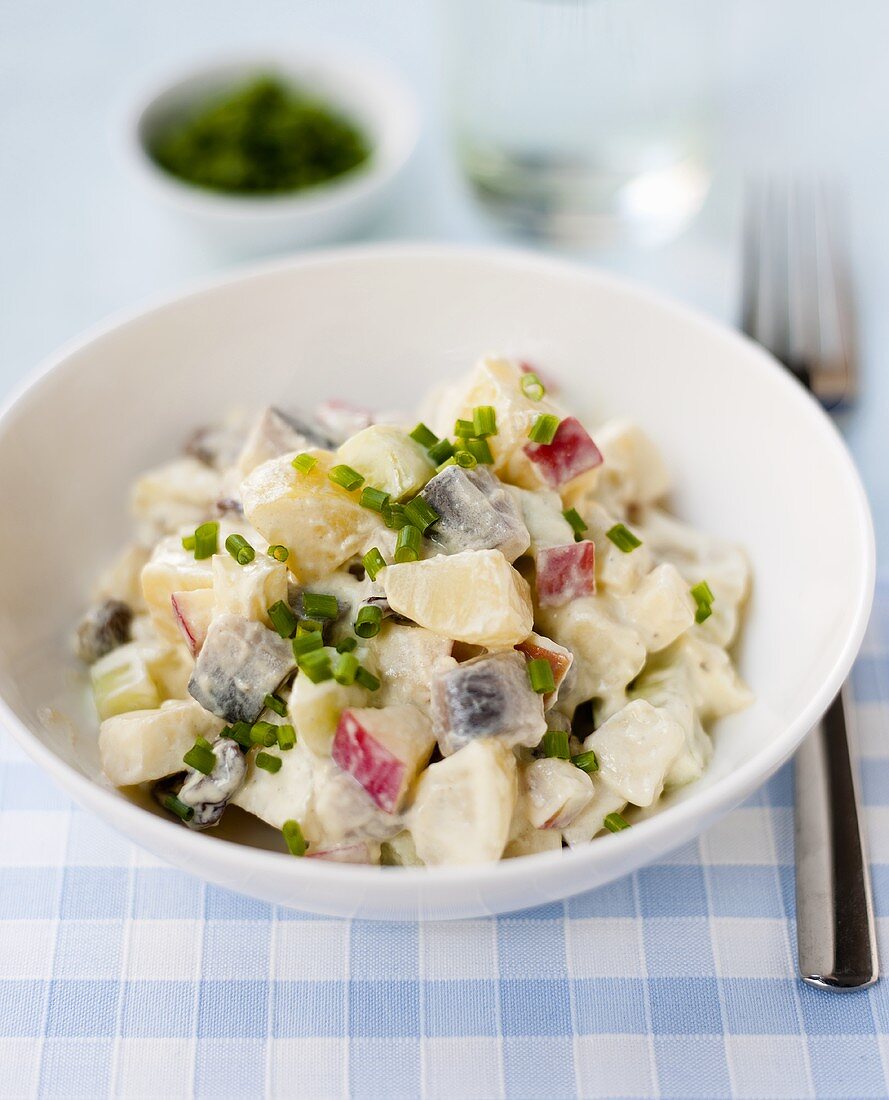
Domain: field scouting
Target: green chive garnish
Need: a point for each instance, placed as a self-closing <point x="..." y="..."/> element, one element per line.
<point x="200" y="756"/>
<point x="484" y="419"/>
<point x="293" y="837"/>
<point x="368" y="620"/>
<point x="393" y="516"/>
<point x="440" y="451"/>
<point x="346" y="645"/>
<point x="345" y="477"/>
<point x="464" y="428"/>
<point x="422" y="435"/>
<point x="544" y="428"/>
<point x="319" y="605"/>
<point x="304" y="463"/>
<point x="465" y="459"/>
<point x="366" y="679"/>
<point x="316" y="665"/>
<point x="407" y="548"/>
<point x="480" y="451"/>
<point x="452" y="461"/>
<point x="420" y="514"/>
<point x="282" y="618"/>
<point x="206" y="541"/>
<point x="188" y="542"/>
<point x="307" y="643"/>
<point x="532" y="387"/>
<point x="178" y="807"/>
<point x="286" y="737"/>
<point x="586" y="761"/>
<point x="540" y="673"/>
<point x="268" y="762"/>
<point x="275" y="703"/>
<point x="703" y="597"/>
<point x="615" y="822"/>
<point x="264" y="733"/>
<point x="345" y="669"/>
<point x="623" y="538"/>
<point x="373" y="562"/>
<point x="240" y="733"/>
<point x="555" y="743"/>
<point x="278" y="552"/>
<point x="309" y="626"/>
<point x="577" y="524"/>
<point x="240" y="549"/>
<point x="375" y="499"/>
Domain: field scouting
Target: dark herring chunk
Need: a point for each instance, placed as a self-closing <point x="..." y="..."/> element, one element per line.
<point x="102" y="629"/>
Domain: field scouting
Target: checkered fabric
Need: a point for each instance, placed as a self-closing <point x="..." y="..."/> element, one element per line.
<point x="122" y="977"/>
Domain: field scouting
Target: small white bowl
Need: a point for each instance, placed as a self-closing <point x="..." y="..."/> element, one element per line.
<point x="753" y="457"/>
<point x="366" y="92"/>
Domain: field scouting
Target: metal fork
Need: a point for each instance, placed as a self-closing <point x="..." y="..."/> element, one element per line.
<point x="797" y="303"/>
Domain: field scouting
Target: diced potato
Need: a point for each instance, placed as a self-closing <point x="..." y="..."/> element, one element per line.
<point x="542" y="512"/>
<point x="145" y="745"/>
<point x="400" y="851"/>
<point x="591" y="820"/>
<point x="122" y="682"/>
<point x="178" y="494"/>
<point x="554" y="792"/>
<point x="285" y="795"/>
<point x="634" y="473"/>
<point x="122" y="580"/>
<point x="172" y="569"/>
<point x="248" y="590"/>
<point x="464" y="805"/>
<point x="192" y="613"/>
<point x="408" y="659"/>
<point x="273" y="434"/>
<point x="321" y="523"/>
<point x="524" y="839"/>
<point x="617" y="573"/>
<point x="661" y="608"/>
<point x="389" y="460"/>
<point x="342" y="810"/>
<point x="716" y="687"/>
<point x="170" y="666"/>
<point x="474" y="597"/>
<point x="316" y="708"/>
<point x="635" y="749"/>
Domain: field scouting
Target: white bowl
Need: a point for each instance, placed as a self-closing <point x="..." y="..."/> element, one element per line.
<point x="362" y="89"/>
<point x="754" y="459"/>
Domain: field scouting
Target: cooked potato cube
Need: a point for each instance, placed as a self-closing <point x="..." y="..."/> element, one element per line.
<point x="248" y="590"/>
<point x="316" y="709"/>
<point x="172" y="569"/>
<point x="634" y="474"/>
<point x="661" y="608"/>
<point x="389" y="460"/>
<point x="178" y="494"/>
<point x="591" y="820"/>
<point x="554" y="792"/>
<point x="407" y="660"/>
<point x="284" y="795"/>
<point x="145" y="745"/>
<point x="273" y="434"/>
<point x="635" y="749"/>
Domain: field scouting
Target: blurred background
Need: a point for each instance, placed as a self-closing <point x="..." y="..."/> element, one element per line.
<point x="620" y="132"/>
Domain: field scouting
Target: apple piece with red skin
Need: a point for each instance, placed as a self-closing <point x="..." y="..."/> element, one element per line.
<point x="571" y="453"/>
<point x="344" y="853"/>
<point x="565" y="573"/>
<point x="383" y="749"/>
<point x="536" y="647"/>
<point x="192" y="612"/>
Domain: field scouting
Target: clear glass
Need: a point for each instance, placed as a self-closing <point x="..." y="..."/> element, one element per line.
<point x="583" y="120"/>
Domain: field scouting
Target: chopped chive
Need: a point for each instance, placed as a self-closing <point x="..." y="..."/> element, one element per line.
<point x="200" y="756"/>
<point x="366" y="679"/>
<point x="421" y="514"/>
<point x="440" y="451"/>
<point x="374" y="499"/>
<point x="240" y="733"/>
<point x="282" y="618"/>
<point x="293" y="838"/>
<point x="577" y="524"/>
<point x="464" y="428"/>
<point x="703" y="597"/>
<point x="452" y="461"/>
<point x="268" y="762"/>
<point x="555" y="744"/>
<point x="407" y="548"/>
<point x="304" y="463"/>
<point x="484" y="420"/>
<point x="240" y="549"/>
<point x="320" y="605"/>
<point x="188" y="542"/>
<point x="532" y="387"/>
<point x="373" y="561"/>
<point x="178" y="807"/>
<point x="615" y="822"/>
<point x="586" y="761"/>
<point x="346" y="645"/>
<point x="422" y="435"/>
<point x="465" y="459"/>
<point x="316" y="665"/>
<point x="368" y="620"/>
<point x="623" y="538"/>
<point x="540" y="673"/>
<point x="480" y="451"/>
<point x="544" y="428"/>
<point x="309" y="626"/>
<point x="275" y="703"/>
<point x="264" y="733"/>
<point x="278" y="552"/>
<point x="345" y="669"/>
<point x="307" y="643"/>
<point x="206" y="541"/>
<point x="345" y="477"/>
<point x="286" y="737"/>
<point x="393" y="516"/>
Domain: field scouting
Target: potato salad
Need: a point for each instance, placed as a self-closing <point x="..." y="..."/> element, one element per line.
<point x="467" y="635"/>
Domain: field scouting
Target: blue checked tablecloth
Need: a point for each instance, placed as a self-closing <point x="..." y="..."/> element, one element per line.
<point x="122" y="977"/>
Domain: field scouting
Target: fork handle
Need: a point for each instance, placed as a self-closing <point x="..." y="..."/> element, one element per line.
<point x="836" y="939"/>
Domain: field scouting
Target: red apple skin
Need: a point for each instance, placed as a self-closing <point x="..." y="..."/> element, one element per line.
<point x="571" y="453"/>
<point x="557" y="661"/>
<point x="194" y="637"/>
<point x="356" y="751"/>
<point x="343" y="853"/>
<point x="565" y="573"/>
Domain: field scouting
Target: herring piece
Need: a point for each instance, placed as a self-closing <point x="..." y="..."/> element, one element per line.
<point x="635" y="749"/>
<point x="208" y="795"/>
<point x="273" y="434"/>
<point x="565" y="573"/>
<point x="488" y="696"/>
<point x="475" y="596"/>
<point x="103" y="628"/>
<point x="239" y="664"/>
<point x="477" y="513"/>
<point x="554" y="792"/>
<point x="389" y="460"/>
<point x="145" y="745"/>
<point x="192" y="613"/>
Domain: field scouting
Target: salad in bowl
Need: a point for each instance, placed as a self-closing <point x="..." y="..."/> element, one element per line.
<point x="468" y="635"/>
